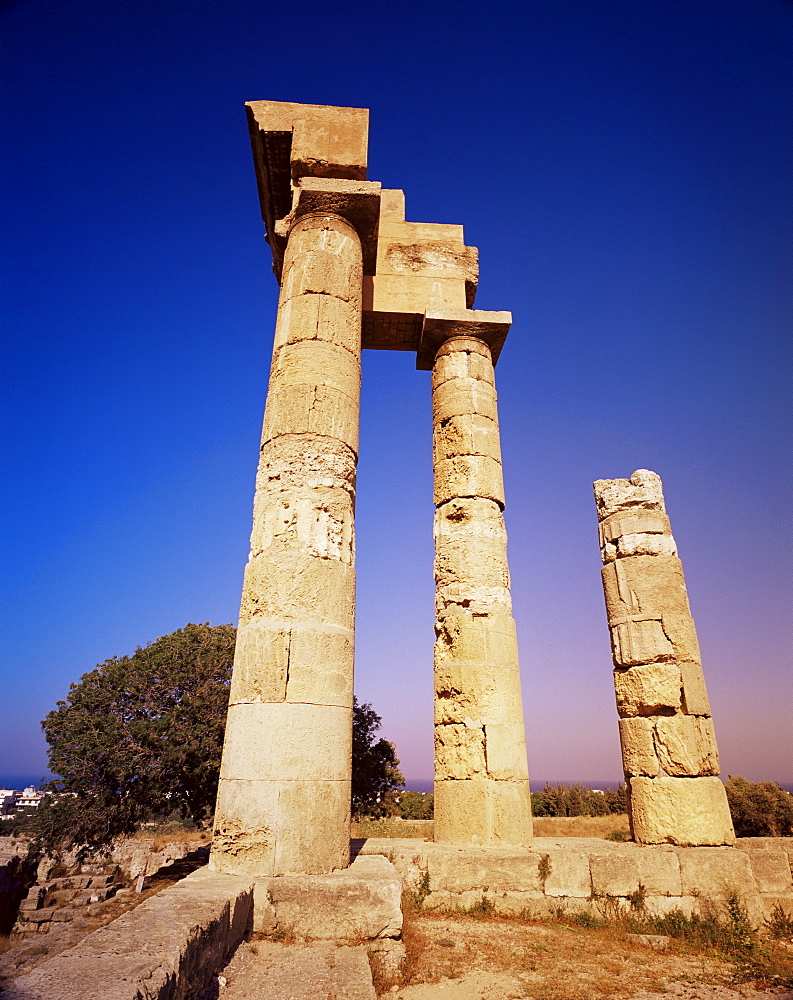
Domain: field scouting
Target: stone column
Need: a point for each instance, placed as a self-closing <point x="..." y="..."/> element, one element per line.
<point x="669" y="748"/>
<point x="284" y="797"/>
<point x="481" y="773"/>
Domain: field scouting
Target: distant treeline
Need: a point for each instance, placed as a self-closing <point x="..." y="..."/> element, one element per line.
<point x="578" y="800"/>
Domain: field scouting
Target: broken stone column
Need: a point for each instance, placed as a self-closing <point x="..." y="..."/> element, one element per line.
<point x="669" y="751"/>
<point x="284" y="797"/>
<point x="481" y="773"/>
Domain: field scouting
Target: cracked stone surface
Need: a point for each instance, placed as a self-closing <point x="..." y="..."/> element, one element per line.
<point x="669" y="751"/>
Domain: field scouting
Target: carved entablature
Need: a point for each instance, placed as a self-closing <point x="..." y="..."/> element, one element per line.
<point x="312" y="157"/>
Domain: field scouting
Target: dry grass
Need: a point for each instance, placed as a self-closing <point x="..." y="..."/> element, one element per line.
<point x="392" y="827"/>
<point x="563" y="961"/>
<point x="612" y="827"/>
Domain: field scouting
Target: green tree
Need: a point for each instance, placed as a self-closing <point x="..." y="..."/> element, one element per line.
<point x="142" y="735"/>
<point x="759" y="808"/>
<point x="415" y="805"/>
<point x="139" y="735"/>
<point x="375" y="765"/>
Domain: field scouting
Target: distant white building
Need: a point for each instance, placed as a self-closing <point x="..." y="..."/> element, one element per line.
<point x="8" y="799"/>
<point x="29" y="799"/>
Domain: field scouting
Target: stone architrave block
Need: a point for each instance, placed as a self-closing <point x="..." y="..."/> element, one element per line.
<point x="681" y="811"/>
<point x="711" y="872"/>
<point x="772" y="871"/>
<point x="638" y="746"/>
<point x="647" y="689"/>
<point x="635" y="641"/>
<point x="614" y="874"/>
<point x="463" y="871"/>
<point x="686" y="745"/>
<point x="659" y="871"/>
<point x="569" y="876"/>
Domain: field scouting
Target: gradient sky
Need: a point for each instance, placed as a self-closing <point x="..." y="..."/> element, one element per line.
<point x="623" y="167"/>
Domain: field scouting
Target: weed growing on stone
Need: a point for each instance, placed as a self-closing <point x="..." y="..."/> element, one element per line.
<point x="779" y="925"/>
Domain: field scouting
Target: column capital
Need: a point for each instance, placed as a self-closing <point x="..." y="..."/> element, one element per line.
<point x="441" y="324"/>
<point x="358" y="202"/>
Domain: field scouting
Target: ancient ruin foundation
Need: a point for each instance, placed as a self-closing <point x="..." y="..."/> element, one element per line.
<point x="354" y="273"/>
<point x="669" y="750"/>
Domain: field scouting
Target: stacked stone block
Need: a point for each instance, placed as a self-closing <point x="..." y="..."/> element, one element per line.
<point x="481" y="772"/>
<point x="668" y="743"/>
<point x="284" y="797"/>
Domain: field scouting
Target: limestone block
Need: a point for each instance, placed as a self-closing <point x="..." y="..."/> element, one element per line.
<point x="459" y="396"/>
<point x="291" y="740"/>
<point x="486" y="639"/>
<point x="614" y="874"/>
<point x="484" y="694"/>
<point x="294" y="586"/>
<point x="772" y="871"/>
<point x="682" y="811"/>
<point x="646" y="690"/>
<point x="460" y="751"/>
<point x="569" y="875"/>
<point x="316" y="660"/>
<point x="638" y="748"/>
<point x="472" y="598"/>
<point x="261" y="663"/>
<point x="276" y="827"/>
<point x="695" y="696"/>
<point x="319" y="318"/>
<point x="468" y="476"/>
<point x="483" y="813"/>
<point x="635" y="521"/>
<point x="471" y="517"/>
<point x="306" y="462"/>
<point x="316" y="363"/>
<point x="505" y="749"/>
<point x="769" y="903"/>
<point x="471" y="552"/>
<point x="711" y="871"/>
<point x="462" y="871"/>
<point x="321" y="522"/>
<point x="642" y="490"/>
<point x="661" y="906"/>
<point x="362" y="902"/>
<point x="646" y="545"/>
<point x="686" y="745"/>
<point x="307" y="409"/>
<point x="413" y="293"/>
<point x="323" y="257"/>
<point x="659" y="871"/>
<point x="636" y="640"/>
<point x="466" y="434"/>
<point x="621" y="600"/>
<point x="467" y="359"/>
<point x="400" y="252"/>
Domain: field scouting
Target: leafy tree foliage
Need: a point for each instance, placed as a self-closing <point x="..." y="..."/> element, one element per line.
<point x="759" y="808"/>
<point x="414" y="805"/>
<point x="137" y="735"/>
<point x="142" y="735"/>
<point x="375" y="765"/>
<point x="578" y="800"/>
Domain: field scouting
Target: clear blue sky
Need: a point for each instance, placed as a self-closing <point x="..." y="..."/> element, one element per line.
<point x="624" y="168"/>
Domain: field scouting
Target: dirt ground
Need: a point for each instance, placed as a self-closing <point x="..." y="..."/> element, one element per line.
<point x="465" y="959"/>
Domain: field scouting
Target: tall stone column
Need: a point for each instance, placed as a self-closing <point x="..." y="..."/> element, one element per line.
<point x="669" y="750"/>
<point x="284" y="797"/>
<point x="481" y="772"/>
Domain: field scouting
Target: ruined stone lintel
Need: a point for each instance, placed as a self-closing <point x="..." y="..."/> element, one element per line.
<point x="669" y="751"/>
<point x="284" y="795"/>
<point x="295" y="141"/>
<point x="481" y="773"/>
